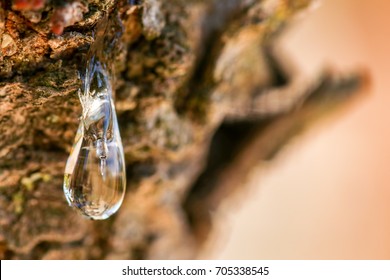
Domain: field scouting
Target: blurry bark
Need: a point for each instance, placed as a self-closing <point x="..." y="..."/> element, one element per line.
<point x="200" y="98"/>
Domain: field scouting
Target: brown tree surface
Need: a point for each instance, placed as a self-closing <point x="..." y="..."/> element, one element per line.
<point x="200" y="96"/>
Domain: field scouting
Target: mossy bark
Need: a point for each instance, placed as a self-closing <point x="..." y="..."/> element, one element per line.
<point x="200" y="99"/>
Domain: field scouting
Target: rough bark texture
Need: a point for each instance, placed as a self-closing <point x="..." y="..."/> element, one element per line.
<point x="200" y="99"/>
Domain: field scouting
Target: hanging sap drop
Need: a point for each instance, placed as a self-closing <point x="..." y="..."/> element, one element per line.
<point x="95" y="176"/>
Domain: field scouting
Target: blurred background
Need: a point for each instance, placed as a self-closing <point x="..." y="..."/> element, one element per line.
<point x="327" y="195"/>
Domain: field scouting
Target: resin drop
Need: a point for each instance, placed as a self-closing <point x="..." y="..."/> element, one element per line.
<point x="95" y="178"/>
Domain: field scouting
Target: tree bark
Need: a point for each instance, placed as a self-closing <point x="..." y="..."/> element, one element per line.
<point x="200" y="96"/>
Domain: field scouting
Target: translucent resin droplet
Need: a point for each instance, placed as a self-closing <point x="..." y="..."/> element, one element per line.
<point x="95" y="178"/>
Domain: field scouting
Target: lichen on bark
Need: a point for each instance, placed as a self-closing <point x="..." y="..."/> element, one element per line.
<point x="200" y="98"/>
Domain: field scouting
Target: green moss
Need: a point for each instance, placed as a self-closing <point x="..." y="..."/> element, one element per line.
<point x="18" y="201"/>
<point x="29" y="182"/>
<point x="53" y="118"/>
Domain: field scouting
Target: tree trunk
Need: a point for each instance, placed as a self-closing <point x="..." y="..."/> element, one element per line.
<point x="200" y="98"/>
